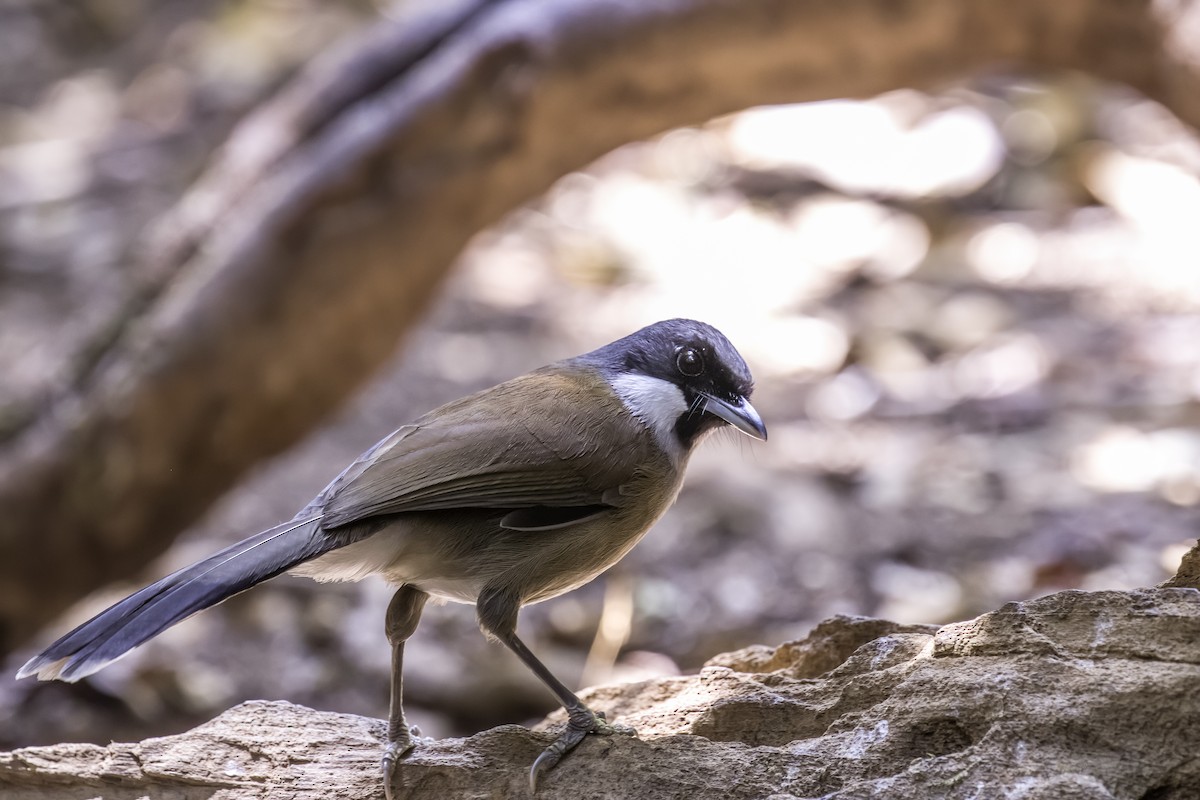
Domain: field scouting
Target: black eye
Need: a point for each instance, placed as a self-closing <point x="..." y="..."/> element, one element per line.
<point x="690" y="362"/>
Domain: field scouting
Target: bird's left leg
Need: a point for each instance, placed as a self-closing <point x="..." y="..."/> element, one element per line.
<point x="403" y="614"/>
<point x="497" y="611"/>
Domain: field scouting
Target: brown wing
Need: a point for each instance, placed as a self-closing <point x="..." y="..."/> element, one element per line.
<point x="546" y="447"/>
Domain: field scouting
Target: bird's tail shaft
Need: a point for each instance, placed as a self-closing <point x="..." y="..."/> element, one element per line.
<point x="147" y="613"/>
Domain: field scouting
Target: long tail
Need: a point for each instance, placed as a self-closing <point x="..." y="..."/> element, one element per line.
<point x="145" y="614"/>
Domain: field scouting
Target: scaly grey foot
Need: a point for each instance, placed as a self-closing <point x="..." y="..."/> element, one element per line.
<point x="582" y="722"/>
<point x="396" y="750"/>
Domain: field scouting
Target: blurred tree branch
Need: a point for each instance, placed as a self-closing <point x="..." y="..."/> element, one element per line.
<point x="288" y="272"/>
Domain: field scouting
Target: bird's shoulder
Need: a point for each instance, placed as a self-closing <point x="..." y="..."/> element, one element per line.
<point x="554" y="437"/>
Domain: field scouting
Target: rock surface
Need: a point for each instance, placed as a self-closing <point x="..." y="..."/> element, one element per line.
<point x="1075" y="695"/>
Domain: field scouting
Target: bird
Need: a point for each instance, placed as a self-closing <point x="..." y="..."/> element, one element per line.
<point x="506" y="497"/>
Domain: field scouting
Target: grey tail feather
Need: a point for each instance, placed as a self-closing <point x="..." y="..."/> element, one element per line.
<point x="147" y="613"/>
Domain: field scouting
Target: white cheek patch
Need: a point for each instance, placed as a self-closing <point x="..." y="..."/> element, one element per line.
<point x="657" y="403"/>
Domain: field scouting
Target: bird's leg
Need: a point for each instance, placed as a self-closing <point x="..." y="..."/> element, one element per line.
<point x="403" y="614"/>
<point x="498" y="617"/>
<point x="581" y="720"/>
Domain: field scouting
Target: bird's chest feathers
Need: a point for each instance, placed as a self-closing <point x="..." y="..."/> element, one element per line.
<point x="657" y="404"/>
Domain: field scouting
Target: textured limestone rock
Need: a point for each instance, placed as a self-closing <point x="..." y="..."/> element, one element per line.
<point x="1076" y="695"/>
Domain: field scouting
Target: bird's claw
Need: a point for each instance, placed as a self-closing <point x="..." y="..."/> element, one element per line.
<point x="397" y="749"/>
<point x="582" y="723"/>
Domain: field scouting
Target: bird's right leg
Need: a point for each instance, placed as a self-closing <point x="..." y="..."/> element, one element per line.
<point x="497" y="609"/>
<point x="403" y="614"/>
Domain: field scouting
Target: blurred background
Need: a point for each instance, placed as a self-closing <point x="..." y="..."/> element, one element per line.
<point x="973" y="317"/>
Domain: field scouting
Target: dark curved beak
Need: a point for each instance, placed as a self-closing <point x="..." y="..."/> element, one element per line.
<point x="740" y="414"/>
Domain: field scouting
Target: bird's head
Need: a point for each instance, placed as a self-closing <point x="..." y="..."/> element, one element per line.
<point x="682" y="378"/>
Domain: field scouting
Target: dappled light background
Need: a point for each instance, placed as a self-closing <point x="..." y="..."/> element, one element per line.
<point x="972" y="316"/>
